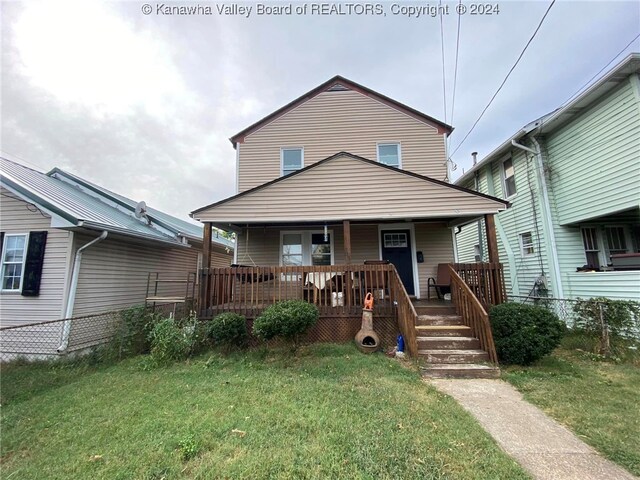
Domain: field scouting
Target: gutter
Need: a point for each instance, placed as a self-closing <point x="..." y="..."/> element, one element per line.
<point x="68" y="311"/>
<point x="546" y="216"/>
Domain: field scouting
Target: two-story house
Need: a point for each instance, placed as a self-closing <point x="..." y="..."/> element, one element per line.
<point x="342" y="175"/>
<point x="343" y="192"/>
<point x="573" y="179"/>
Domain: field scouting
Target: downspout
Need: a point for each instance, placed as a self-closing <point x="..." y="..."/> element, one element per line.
<point x="68" y="311"/>
<point x="546" y="217"/>
<point x="479" y="223"/>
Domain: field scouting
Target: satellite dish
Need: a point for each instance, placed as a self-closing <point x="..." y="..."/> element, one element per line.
<point x="141" y="210"/>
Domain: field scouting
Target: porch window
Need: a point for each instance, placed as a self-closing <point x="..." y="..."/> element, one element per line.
<point x="291" y="249"/>
<point x="616" y="240"/>
<point x="526" y="244"/>
<point x="395" y="240"/>
<point x="306" y="248"/>
<point x="292" y="159"/>
<point x="508" y="178"/>
<point x="13" y="257"/>
<point x="591" y="250"/>
<point x="389" y="154"/>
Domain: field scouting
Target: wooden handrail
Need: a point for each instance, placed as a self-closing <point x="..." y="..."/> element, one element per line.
<point x="407" y="316"/>
<point x="486" y="280"/>
<point x="473" y="314"/>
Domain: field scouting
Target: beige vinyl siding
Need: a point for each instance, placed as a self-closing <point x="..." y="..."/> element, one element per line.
<point x="594" y="160"/>
<point x="220" y="258"/>
<point x="337" y="121"/>
<point x="113" y="273"/>
<point x="348" y="188"/>
<point x="18" y="216"/>
<point x="435" y="243"/>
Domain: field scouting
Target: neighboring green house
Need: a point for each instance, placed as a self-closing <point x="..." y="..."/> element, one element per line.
<point x="573" y="180"/>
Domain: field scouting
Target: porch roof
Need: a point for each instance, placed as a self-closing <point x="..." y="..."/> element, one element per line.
<point x="349" y="187"/>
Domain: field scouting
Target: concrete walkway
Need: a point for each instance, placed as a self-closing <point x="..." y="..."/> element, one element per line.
<point x="542" y="446"/>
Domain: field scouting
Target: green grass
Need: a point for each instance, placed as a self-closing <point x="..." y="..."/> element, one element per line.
<point x="598" y="400"/>
<point x="326" y="412"/>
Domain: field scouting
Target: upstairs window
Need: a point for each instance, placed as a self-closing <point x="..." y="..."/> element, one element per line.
<point x="508" y="178"/>
<point x="526" y="244"/>
<point x="292" y="159"/>
<point x="13" y="257"/>
<point x="389" y="154"/>
<point x="616" y="240"/>
<point x="591" y="250"/>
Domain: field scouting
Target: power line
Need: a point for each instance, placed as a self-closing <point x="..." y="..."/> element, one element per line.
<point x="455" y="71"/>
<point x="599" y="72"/>
<point x="507" y="77"/>
<point x="444" y="84"/>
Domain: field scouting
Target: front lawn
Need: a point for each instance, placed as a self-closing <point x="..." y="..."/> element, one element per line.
<point x="598" y="400"/>
<point x="327" y="412"/>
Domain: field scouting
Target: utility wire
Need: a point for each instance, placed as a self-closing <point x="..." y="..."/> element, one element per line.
<point x="507" y="77"/>
<point x="455" y="71"/>
<point x="599" y="72"/>
<point x="444" y="83"/>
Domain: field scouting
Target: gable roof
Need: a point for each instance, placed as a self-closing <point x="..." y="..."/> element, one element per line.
<point x="84" y="204"/>
<point x="346" y="186"/>
<point x="564" y="113"/>
<point x="339" y="83"/>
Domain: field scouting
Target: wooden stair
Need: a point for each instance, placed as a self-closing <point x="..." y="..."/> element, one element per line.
<point x="447" y="348"/>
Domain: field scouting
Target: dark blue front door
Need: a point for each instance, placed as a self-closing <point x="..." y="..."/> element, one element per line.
<point x="396" y="248"/>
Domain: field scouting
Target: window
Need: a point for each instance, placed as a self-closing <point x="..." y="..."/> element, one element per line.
<point x="395" y="240"/>
<point x="616" y="241"/>
<point x="13" y="257"/>
<point x="389" y="154"/>
<point x="526" y="244"/>
<point x="306" y="248"/>
<point x="292" y="159"/>
<point x="508" y="178"/>
<point x="590" y="242"/>
<point x="291" y="249"/>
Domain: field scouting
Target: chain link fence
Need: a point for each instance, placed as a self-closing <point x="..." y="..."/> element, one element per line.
<point x="613" y="324"/>
<point x="120" y="333"/>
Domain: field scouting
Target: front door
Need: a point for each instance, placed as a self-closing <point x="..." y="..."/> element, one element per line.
<point x="396" y="248"/>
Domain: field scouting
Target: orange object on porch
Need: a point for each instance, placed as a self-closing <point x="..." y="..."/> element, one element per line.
<point x="368" y="301"/>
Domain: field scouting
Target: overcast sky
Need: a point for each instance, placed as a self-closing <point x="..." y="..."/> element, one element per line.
<point x="145" y="104"/>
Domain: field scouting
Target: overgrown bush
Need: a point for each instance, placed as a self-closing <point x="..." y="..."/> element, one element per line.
<point x="524" y="333"/>
<point x="620" y="317"/>
<point x="228" y="329"/>
<point x="172" y="340"/>
<point x="131" y="336"/>
<point x="288" y="319"/>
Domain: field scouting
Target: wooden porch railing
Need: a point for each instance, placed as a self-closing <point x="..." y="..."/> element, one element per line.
<point x="337" y="290"/>
<point x="472" y="312"/>
<point x="407" y="316"/>
<point x="485" y="280"/>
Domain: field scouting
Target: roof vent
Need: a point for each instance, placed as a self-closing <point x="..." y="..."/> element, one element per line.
<point x="337" y="87"/>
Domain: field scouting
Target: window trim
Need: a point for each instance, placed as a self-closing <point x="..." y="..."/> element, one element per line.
<point x="503" y="175"/>
<point x="398" y="144"/>
<point x="306" y="244"/>
<point x="282" y="149"/>
<point x="605" y="238"/>
<point x="522" y="245"/>
<point x="2" y="261"/>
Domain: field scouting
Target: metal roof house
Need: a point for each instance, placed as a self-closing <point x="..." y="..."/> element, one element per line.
<point x="573" y="179"/>
<point x="71" y="248"/>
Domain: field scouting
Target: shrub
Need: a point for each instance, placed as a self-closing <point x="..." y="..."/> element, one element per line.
<point x="524" y="333"/>
<point x="171" y="341"/>
<point x="287" y="319"/>
<point x="131" y="336"/>
<point x="228" y="329"/>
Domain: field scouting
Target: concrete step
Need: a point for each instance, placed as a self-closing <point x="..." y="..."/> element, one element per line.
<point x="460" y="370"/>
<point x="453" y="356"/>
<point x="439" y="320"/>
<point x="435" y="309"/>
<point x="443" y="330"/>
<point x="448" y="343"/>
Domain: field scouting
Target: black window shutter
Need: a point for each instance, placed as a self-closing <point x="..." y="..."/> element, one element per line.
<point x="33" y="264"/>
